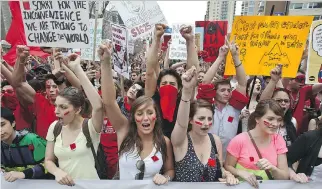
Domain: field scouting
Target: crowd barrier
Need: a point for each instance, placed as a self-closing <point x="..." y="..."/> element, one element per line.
<point x="148" y="184"/>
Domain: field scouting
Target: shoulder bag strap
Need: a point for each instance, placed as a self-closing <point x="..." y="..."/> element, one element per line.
<point x="89" y="143"/>
<point x="260" y="155"/>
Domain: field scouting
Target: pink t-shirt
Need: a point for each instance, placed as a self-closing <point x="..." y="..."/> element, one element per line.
<point x="242" y="148"/>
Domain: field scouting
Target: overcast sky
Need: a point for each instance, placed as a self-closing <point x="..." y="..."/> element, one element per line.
<point x="189" y="11"/>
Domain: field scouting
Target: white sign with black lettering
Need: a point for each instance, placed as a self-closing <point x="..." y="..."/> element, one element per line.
<point x="57" y="23"/>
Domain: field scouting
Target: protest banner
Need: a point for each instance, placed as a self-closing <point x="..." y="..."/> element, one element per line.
<point x="139" y="16"/>
<point x="314" y="62"/>
<point x="120" y="53"/>
<point x="214" y="37"/>
<point x="130" y="47"/>
<point x="87" y="54"/>
<point x="56" y="23"/>
<point x="265" y="41"/>
<point x="148" y="184"/>
<point x="178" y="47"/>
<point x="200" y="31"/>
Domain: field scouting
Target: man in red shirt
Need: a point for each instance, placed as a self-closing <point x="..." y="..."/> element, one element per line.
<point x="300" y="93"/>
<point x="42" y="106"/>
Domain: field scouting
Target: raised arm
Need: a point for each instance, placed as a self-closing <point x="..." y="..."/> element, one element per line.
<point x="118" y="120"/>
<point x="212" y="71"/>
<point x="166" y="62"/>
<point x="90" y="91"/>
<point x="178" y="64"/>
<point x="179" y="133"/>
<point x="152" y="61"/>
<point x="240" y="71"/>
<point x="276" y="74"/>
<point x="63" y="69"/>
<point x="192" y="55"/>
<point x="18" y="81"/>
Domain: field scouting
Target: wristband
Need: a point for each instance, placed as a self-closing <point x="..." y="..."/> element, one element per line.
<point x="238" y="65"/>
<point x="187" y="101"/>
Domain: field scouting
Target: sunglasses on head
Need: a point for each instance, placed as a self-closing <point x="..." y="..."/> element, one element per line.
<point x="140" y="165"/>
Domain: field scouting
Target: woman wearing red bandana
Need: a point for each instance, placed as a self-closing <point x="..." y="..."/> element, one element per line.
<point x="143" y="149"/>
<point x="168" y="82"/>
<point x="198" y="154"/>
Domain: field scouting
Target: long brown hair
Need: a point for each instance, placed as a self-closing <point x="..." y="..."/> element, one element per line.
<point x="132" y="138"/>
<point x="261" y="109"/>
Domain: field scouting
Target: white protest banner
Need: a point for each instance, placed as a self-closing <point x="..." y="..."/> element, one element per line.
<point x="120" y="53"/>
<point x="56" y="23"/>
<point x="178" y="48"/>
<point x="148" y="184"/>
<point x="87" y="54"/>
<point x="139" y="16"/>
<point x="314" y="62"/>
<point x="130" y="47"/>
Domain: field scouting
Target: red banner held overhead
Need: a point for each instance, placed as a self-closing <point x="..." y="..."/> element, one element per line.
<point x="214" y="37"/>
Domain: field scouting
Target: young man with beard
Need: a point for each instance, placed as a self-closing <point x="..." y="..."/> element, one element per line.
<point x="42" y="106"/>
<point x="165" y="86"/>
<point x="228" y="103"/>
<point x="300" y="95"/>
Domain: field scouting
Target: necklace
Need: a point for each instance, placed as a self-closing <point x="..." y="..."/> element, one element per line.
<point x="296" y="100"/>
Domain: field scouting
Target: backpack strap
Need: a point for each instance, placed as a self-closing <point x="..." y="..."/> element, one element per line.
<point x="57" y="129"/>
<point x="89" y="143"/>
<point x="213" y="143"/>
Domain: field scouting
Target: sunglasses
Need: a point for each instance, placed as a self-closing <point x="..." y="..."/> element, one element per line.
<point x="300" y="79"/>
<point x="140" y="165"/>
<point x="283" y="100"/>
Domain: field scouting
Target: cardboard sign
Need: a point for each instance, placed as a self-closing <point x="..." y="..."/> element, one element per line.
<point x="214" y="37"/>
<point x="139" y="16"/>
<point x="178" y="47"/>
<point x="87" y="54"/>
<point x="120" y="53"/>
<point x="265" y="41"/>
<point x="56" y="23"/>
<point x="314" y="64"/>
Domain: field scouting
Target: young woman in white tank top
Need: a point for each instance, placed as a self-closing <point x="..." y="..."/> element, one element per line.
<point x="143" y="149"/>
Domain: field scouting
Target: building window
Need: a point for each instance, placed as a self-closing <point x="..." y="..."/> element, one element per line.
<point x="318" y="17"/>
<point x="315" y="5"/>
<point x="296" y="5"/>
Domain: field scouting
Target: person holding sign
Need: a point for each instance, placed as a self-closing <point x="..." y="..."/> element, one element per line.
<point x="165" y="86"/>
<point x="260" y="154"/>
<point x="228" y="103"/>
<point x="198" y="154"/>
<point x="143" y="149"/>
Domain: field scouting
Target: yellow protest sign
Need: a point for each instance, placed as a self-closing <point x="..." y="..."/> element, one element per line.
<point x="314" y="64"/>
<point x="265" y="41"/>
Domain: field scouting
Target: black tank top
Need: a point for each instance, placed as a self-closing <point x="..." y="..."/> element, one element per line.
<point x="191" y="169"/>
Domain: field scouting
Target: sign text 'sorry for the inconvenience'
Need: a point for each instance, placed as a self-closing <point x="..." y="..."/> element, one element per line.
<point x="57" y="23"/>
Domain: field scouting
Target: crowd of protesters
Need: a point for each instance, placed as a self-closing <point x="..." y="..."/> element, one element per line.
<point x="66" y="120"/>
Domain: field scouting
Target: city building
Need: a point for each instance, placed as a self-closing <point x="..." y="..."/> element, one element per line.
<point x="221" y="10"/>
<point x="280" y="7"/>
<point x="299" y="8"/>
<point x="249" y="8"/>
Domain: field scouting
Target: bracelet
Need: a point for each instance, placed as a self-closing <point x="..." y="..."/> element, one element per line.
<point x="167" y="177"/>
<point x="187" y="101"/>
<point x="238" y="65"/>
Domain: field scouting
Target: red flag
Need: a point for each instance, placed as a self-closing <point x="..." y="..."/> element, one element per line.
<point x="16" y="34"/>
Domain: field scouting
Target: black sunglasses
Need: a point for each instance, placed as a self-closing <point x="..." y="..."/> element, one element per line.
<point x="140" y="165"/>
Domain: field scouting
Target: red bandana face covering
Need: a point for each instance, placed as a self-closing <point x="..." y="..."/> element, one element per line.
<point x="10" y="101"/>
<point x="168" y="101"/>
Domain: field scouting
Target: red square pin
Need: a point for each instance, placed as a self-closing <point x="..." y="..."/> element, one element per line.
<point x="230" y="119"/>
<point x="72" y="146"/>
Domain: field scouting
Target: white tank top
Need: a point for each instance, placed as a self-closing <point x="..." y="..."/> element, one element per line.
<point x="128" y="169"/>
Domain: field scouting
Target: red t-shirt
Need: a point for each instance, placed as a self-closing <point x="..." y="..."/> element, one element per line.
<point x="45" y="114"/>
<point x="305" y="94"/>
<point x="23" y="118"/>
<point x="109" y="143"/>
